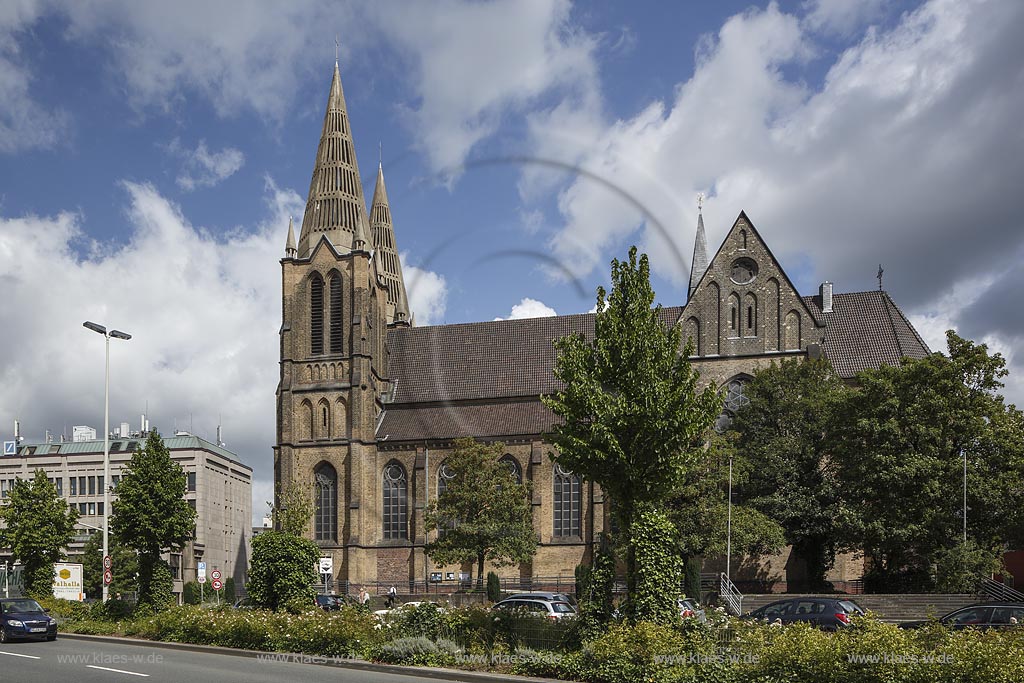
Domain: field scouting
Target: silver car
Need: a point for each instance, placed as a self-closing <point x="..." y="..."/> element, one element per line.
<point x="552" y="609"/>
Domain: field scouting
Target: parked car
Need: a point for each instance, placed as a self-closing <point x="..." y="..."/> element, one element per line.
<point x="981" y="615"/>
<point x="25" y="618"/>
<point x="543" y="595"/>
<point x="329" y="603"/>
<point x="825" y="613"/>
<point x="689" y="608"/>
<point x="552" y="609"/>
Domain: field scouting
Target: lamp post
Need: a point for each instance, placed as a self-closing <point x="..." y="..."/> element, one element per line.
<point x="963" y="452"/>
<point x="117" y="334"/>
<point x="728" y="529"/>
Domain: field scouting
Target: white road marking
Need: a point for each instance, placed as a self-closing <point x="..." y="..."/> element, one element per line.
<point x="18" y="654"/>
<point x="117" y="671"/>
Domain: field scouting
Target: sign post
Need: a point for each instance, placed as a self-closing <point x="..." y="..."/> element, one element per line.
<point x="201" y="577"/>
<point x="326" y="570"/>
<point x="216" y="583"/>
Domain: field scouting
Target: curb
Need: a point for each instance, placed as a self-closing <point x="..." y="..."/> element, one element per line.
<point x="438" y="673"/>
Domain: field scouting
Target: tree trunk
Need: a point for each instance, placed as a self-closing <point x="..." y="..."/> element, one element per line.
<point x="480" y="571"/>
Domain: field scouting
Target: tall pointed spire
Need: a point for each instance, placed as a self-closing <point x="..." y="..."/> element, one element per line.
<point x="700" y="248"/>
<point x="289" y="246"/>
<point x="384" y="244"/>
<point x="336" y="205"/>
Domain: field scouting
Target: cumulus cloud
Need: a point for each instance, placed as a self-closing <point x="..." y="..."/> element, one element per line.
<point x="530" y="308"/>
<point x="196" y="306"/>
<point x="25" y="122"/>
<point x="474" y="63"/>
<point x="906" y="154"/>
<point x="203" y="168"/>
<point x="428" y="292"/>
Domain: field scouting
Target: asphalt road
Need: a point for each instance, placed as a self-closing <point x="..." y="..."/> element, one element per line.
<point x="82" y="661"/>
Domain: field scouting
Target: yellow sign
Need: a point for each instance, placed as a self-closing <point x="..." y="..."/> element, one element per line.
<point x="65" y="574"/>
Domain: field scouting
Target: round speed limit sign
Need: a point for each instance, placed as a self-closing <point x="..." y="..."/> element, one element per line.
<point x="215" y="574"/>
<point x="216" y="584"/>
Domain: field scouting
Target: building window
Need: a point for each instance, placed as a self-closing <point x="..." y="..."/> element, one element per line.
<point x="59" y="485"/>
<point x="513" y="467"/>
<point x="83" y="508"/>
<point x="316" y="314"/>
<point x="92" y="486"/>
<point x="444" y="475"/>
<point x="92" y="509"/>
<point x="337" y="321"/>
<point x="325" y="478"/>
<point x="99" y="507"/>
<point x="99" y="484"/>
<point x="73" y="481"/>
<point x="396" y="506"/>
<point x="567" y="503"/>
<point x="81" y="486"/>
<point x="734" y="398"/>
<point x="192" y="481"/>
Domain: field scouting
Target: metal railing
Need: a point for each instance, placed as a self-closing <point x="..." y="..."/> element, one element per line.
<point x="999" y="591"/>
<point x="731" y="595"/>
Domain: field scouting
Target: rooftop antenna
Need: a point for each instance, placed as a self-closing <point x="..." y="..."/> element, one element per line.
<point x="879" y="276"/>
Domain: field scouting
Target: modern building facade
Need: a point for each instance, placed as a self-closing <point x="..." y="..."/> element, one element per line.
<point x="219" y="489"/>
<point x="368" y="404"/>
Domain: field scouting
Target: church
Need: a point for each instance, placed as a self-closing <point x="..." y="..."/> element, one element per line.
<point x="368" y="403"/>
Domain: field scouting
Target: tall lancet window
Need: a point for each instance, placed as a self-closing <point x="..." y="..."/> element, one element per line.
<point x="316" y="314"/>
<point x="396" y="503"/>
<point x="567" y="503"/>
<point x="325" y="521"/>
<point x="337" y="321"/>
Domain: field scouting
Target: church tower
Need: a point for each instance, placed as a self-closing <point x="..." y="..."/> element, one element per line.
<point x="340" y="290"/>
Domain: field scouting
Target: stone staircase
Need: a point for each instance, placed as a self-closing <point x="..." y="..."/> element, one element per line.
<point x="895" y="607"/>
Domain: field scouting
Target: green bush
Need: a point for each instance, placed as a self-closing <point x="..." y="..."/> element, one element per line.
<point x="229" y="590"/>
<point x="283" y="569"/>
<point x="156" y="583"/>
<point x="493" y="587"/>
<point x="417" y="650"/>
<point x="190" y="594"/>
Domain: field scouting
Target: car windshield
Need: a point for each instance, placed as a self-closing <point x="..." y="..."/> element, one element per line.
<point x="20" y="606"/>
<point x="562" y="607"/>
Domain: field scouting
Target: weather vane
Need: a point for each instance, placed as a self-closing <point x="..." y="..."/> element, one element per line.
<point x="879" y="276"/>
<point x="700" y="201"/>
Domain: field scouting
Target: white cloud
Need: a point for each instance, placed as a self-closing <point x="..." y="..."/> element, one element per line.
<point x="474" y="63"/>
<point x="203" y="168"/>
<point x="906" y="155"/>
<point x="841" y="16"/>
<point x="197" y="307"/>
<point x="25" y="122"/>
<point x="428" y="292"/>
<point x="530" y="308"/>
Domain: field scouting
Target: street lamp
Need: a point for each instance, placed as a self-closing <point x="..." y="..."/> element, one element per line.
<point x="728" y="529"/>
<point x="117" y="334"/>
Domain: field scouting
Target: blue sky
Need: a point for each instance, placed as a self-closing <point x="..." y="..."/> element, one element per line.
<point x="151" y="153"/>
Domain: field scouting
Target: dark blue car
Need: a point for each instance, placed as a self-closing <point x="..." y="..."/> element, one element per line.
<point x="24" y="618"/>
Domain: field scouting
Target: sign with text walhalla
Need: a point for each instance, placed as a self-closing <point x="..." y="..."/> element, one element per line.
<point x="67" y="581"/>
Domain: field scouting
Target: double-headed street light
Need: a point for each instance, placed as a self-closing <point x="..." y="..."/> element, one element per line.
<point x="117" y="334"/>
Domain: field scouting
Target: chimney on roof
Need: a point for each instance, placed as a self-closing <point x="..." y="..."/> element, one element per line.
<point x="826" y="296"/>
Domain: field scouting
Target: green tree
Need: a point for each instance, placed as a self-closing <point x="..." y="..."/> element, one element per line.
<point x="124" y="567"/>
<point x="700" y="511"/>
<point x="39" y="526"/>
<point x="903" y="437"/>
<point x="292" y="509"/>
<point x="283" y="569"/>
<point x="484" y="513"/>
<point x="633" y="419"/>
<point x="786" y="432"/>
<point x="151" y="516"/>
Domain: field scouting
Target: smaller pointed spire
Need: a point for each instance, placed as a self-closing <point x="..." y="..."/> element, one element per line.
<point x="290" y="251"/>
<point x="700" y="248"/>
<point x="359" y="240"/>
<point x="402" y="307"/>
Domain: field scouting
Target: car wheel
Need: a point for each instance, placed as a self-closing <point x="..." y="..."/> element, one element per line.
<point x="52" y="638"/>
<point x="3" y="635"/>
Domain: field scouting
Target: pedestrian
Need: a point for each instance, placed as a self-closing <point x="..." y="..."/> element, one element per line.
<point x="364" y="597"/>
<point x="392" y="597"/>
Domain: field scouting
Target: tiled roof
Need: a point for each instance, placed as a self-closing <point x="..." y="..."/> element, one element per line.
<point x="125" y="445"/>
<point x="866" y="330"/>
<point x="473" y="361"/>
<point x="451" y="420"/>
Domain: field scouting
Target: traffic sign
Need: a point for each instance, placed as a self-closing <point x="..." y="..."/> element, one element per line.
<point x="108" y="577"/>
<point x="202" y="578"/>
<point x="216" y="584"/>
<point x="201" y="570"/>
<point x="215" y="574"/>
<point x="326" y="565"/>
<point x="10" y="447"/>
<point x="107" y="563"/>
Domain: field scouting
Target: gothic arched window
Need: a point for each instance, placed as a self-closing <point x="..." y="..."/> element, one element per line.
<point x="316" y="314"/>
<point x="567" y="503"/>
<point x="337" y="321"/>
<point x="733" y="399"/>
<point x="325" y="520"/>
<point x="444" y="475"/>
<point x="396" y="502"/>
<point x="513" y="467"/>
